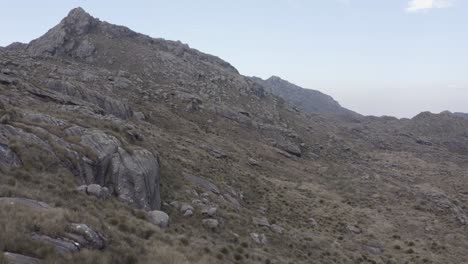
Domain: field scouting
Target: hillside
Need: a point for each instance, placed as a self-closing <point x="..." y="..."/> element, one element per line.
<point x="116" y="147"/>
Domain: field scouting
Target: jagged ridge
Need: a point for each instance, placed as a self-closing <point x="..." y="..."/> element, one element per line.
<point x="306" y="100"/>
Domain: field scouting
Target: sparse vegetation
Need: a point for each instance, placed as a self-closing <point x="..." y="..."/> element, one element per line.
<point x="363" y="190"/>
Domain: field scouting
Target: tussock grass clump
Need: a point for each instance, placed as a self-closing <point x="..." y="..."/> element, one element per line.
<point x="17" y="223"/>
<point x="33" y="157"/>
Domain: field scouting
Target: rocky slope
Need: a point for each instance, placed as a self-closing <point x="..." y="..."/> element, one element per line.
<point x="119" y="148"/>
<point x="302" y="99"/>
<point x="464" y="115"/>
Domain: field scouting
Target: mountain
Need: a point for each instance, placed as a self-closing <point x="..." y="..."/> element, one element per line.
<point x="464" y="115"/>
<point x="116" y="147"/>
<point x="306" y="100"/>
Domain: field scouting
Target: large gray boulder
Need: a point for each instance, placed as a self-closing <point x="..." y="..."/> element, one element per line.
<point x="159" y="218"/>
<point x="57" y="40"/>
<point x="136" y="178"/>
<point x="133" y="177"/>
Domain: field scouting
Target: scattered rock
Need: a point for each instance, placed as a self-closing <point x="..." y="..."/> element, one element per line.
<point x="95" y="190"/>
<point x="197" y="202"/>
<point x="214" y="152"/>
<point x="374" y="250"/>
<point x="86" y="237"/>
<point x="188" y="213"/>
<point x="211" y="212"/>
<point x="186" y="207"/>
<point x="232" y="200"/>
<point x="354" y="229"/>
<point x="261" y="221"/>
<point x="312" y="222"/>
<point x="5" y="80"/>
<point x="277" y="229"/>
<point x="159" y="218"/>
<point x="284" y="153"/>
<point x="253" y="162"/>
<point x="139" y="116"/>
<point x="259" y="238"/>
<point x="290" y="148"/>
<point x="175" y="204"/>
<point x="422" y="141"/>
<point x="262" y="210"/>
<point x="203" y="183"/>
<point x="210" y="223"/>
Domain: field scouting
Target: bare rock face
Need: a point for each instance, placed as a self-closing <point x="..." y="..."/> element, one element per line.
<point x="58" y="40"/>
<point x="133" y="177"/>
<point x="12" y="201"/>
<point x="108" y="104"/>
<point x="8" y="157"/>
<point x="137" y="178"/>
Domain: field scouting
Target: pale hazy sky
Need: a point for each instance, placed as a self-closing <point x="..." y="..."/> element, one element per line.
<point x="380" y="57"/>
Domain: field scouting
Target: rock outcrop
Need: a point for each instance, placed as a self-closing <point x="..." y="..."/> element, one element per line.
<point x="133" y="177"/>
<point x="13" y="258"/>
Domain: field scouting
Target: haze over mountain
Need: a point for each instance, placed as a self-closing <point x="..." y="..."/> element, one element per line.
<point x="120" y="148"/>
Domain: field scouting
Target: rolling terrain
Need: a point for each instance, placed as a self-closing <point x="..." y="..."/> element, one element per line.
<point x="116" y="147"/>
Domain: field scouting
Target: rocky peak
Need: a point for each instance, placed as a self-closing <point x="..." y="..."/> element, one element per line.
<point x="79" y="21"/>
<point x="275" y="78"/>
<point x="68" y="35"/>
<point x="80" y="35"/>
